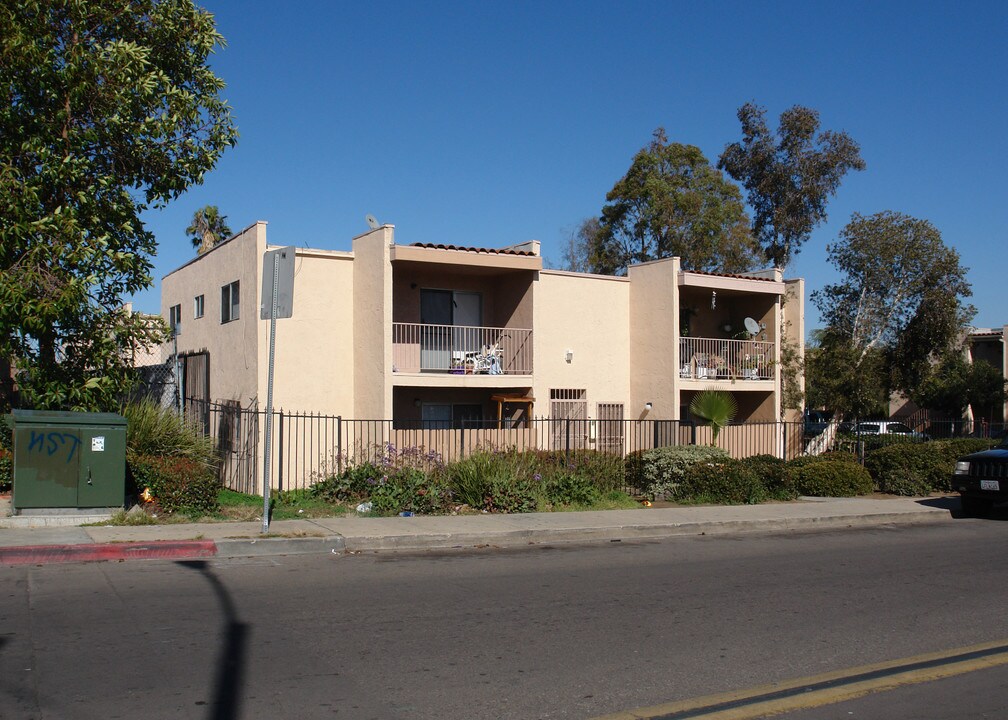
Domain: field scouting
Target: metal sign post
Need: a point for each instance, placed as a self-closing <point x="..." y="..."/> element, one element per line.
<point x="278" y="293"/>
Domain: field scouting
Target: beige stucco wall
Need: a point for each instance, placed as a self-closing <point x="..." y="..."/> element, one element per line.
<point x="372" y="324"/>
<point x="793" y="332"/>
<point x="654" y="339"/>
<point x="233" y="346"/>
<point x="314" y="363"/>
<point x="589" y="315"/>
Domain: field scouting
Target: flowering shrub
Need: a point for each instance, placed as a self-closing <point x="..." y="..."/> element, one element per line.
<point x="177" y="483"/>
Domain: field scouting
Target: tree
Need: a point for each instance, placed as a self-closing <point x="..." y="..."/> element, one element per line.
<point x="110" y="108"/>
<point x="580" y="242"/>
<point x="716" y="407"/>
<point x="788" y="175"/>
<point x="208" y="227"/>
<point x="954" y="384"/>
<point x="901" y="289"/>
<point x="672" y="202"/>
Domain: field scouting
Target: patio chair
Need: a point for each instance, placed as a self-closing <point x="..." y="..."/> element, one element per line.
<point x="488" y="360"/>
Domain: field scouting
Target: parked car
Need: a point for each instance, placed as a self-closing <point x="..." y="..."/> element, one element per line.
<point x="888" y="427"/>
<point x="981" y="479"/>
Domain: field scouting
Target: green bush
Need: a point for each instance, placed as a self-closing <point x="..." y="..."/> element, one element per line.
<point x="512" y="496"/>
<point x="771" y="472"/>
<point x="919" y="469"/>
<point x="570" y="488"/>
<point x="475" y="479"/>
<point x="177" y="483"/>
<point x="662" y="469"/>
<point x="810" y="475"/>
<point x="6" y="454"/>
<point x="410" y="490"/>
<point x="723" y="481"/>
<point x="152" y="430"/>
<point x="354" y="483"/>
<point x="954" y="449"/>
<point x="602" y="470"/>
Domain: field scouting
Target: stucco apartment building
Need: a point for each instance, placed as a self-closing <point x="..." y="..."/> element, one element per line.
<point x="433" y="335"/>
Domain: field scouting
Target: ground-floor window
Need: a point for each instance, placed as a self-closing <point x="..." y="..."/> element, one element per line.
<point x="609" y="438"/>
<point x="437" y="416"/>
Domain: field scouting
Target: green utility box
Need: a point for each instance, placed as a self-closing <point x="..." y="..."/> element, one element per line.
<point x="68" y="459"/>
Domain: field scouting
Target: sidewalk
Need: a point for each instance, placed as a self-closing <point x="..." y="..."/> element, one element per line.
<point x="36" y="545"/>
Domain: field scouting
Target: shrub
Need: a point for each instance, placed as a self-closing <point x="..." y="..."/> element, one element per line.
<point x="354" y="483"/>
<point x="952" y="450"/>
<point x="662" y="469"/>
<point x="412" y="490"/>
<point x="177" y="483"/>
<point x="152" y="430"/>
<point x="918" y="469"/>
<point x="810" y="475"/>
<point x="6" y="454"/>
<point x="724" y="481"/>
<point x="603" y="470"/>
<point x="770" y="470"/>
<point x="478" y="477"/>
<point x="511" y="496"/>
<point x="570" y="488"/>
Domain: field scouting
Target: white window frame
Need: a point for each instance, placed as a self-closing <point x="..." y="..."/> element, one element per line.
<point x="199" y="304"/>
<point x="175" y="319"/>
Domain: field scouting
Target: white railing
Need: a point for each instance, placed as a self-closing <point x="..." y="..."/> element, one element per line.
<point x="461" y="349"/>
<point x="712" y="359"/>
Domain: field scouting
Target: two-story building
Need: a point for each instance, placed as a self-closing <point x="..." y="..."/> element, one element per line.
<point x="437" y="336"/>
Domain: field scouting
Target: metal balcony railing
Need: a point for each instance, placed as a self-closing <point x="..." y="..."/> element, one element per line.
<point x="461" y="349"/>
<point x="714" y="358"/>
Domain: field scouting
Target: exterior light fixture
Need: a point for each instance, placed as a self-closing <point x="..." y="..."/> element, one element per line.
<point x="647" y="407"/>
<point x="569" y="356"/>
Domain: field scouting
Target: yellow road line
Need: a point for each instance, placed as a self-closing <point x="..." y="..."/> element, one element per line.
<point x="827" y="688"/>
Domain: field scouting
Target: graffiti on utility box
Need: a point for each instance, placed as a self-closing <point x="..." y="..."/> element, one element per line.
<point x="52" y="443"/>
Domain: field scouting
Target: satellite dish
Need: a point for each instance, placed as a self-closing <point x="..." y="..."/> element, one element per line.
<point x="372" y="221"/>
<point x="751" y="326"/>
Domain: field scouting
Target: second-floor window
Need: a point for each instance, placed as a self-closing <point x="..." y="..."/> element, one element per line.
<point x="197" y="307"/>
<point x="229" y="302"/>
<point x="175" y="319"/>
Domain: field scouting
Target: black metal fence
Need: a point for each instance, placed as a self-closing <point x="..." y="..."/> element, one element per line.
<point x="308" y="447"/>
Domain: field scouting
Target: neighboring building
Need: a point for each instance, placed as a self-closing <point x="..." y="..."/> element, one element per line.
<point x="986" y="344"/>
<point x="989" y="344"/>
<point x="399" y="332"/>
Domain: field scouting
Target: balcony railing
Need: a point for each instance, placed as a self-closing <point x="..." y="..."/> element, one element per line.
<point x="713" y="358"/>
<point x="461" y="349"/>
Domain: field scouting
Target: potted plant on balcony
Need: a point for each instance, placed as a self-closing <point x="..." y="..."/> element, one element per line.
<point x="749" y="367"/>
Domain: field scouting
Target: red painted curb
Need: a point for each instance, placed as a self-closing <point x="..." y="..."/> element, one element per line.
<point x="97" y="552"/>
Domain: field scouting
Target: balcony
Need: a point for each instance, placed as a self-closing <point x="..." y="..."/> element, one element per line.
<point x="461" y="349"/>
<point x="714" y="359"/>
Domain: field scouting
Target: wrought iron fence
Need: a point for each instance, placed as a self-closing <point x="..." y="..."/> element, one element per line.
<point x="309" y="447"/>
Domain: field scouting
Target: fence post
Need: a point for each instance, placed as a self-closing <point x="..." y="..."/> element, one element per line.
<point x="692" y="433"/>
<point x="567" y="425"/>
<point x="280" y="448"/>
<point x="462" y="440"/>
<point x="339" y="444"/>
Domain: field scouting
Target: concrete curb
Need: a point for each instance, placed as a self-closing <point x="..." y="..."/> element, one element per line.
<point x="98" y="552"/>
<point x="255" y="547"/>
<point x="545" y="536"/>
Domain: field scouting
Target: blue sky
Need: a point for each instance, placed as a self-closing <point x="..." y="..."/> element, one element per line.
<point x="490" y="124"/>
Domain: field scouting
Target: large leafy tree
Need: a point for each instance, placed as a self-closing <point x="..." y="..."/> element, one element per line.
<point x="109" y="108"/>
<point x="789" y="175"/>
<point x="899" y="305"/>
<point x="208" y="227"/>
<point x="672" y="202"/>
<point x="954" y="384"/>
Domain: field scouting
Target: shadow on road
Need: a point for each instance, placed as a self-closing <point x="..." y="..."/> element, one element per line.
<point x="231" y="663"/>
<point x="954" y="506"/>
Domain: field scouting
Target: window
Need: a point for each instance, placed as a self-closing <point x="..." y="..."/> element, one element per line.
<point x="229" y="302"/>
<point x="610" y="428"/>
<point x="569" y="413"/>
<point x="175" y="319"/>
<point x="197" y="307"/>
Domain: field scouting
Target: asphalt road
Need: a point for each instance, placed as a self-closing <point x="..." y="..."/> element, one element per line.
<point x="567" y="632"/>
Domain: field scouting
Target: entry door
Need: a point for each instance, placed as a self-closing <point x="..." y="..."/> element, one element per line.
<point x="435" y="339"/>
<point x="440" y="310"/>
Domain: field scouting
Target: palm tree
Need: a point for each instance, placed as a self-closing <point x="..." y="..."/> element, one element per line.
<point x="208" y="227"/>
<point x="716" y="407"/>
